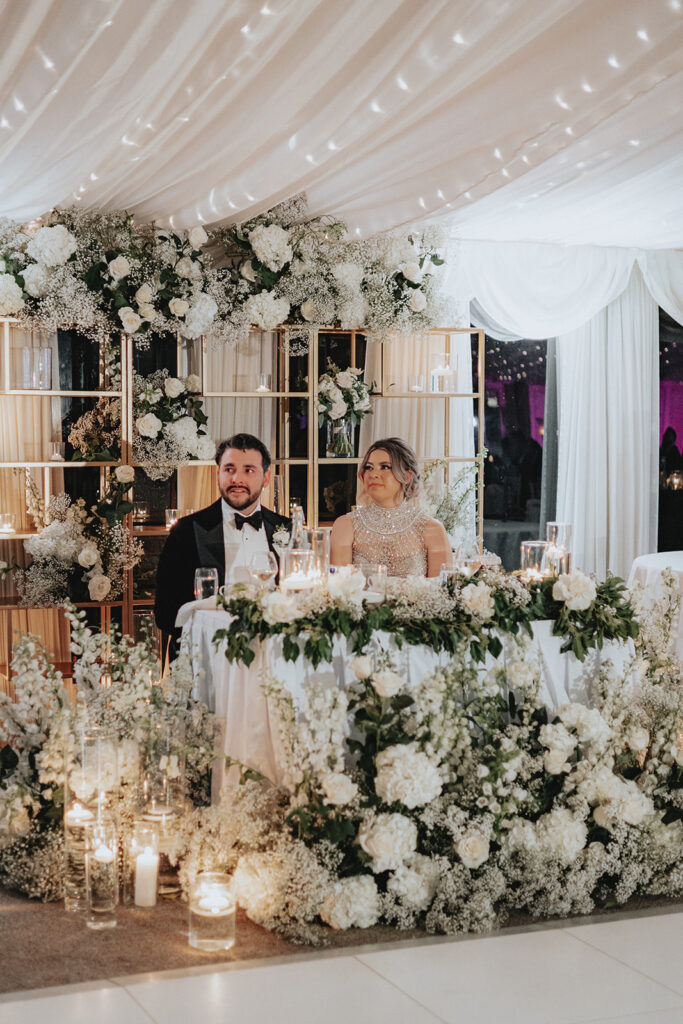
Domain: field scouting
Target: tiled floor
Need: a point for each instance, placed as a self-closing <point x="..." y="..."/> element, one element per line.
<point x="627" y="969"/>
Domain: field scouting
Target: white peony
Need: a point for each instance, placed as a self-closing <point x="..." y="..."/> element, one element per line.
<point x="590" y="726"/>
<point x="88" y="556"/>
<point x="36" y="280"/>
<point x="338" y="788"/>
<point x="193" y="383"/>
<point x="386" y="682"/>
<point x="130" y="320"/>
<point x="199" y="317"/>
<point x="197" y="237"/>
<point x="173" y="387"/>
<point x="354" y="903"/>
<point x="178" y="307"/>
<point x="52" y="246"/>
<point x="557" y="737"/>
<point x="307" y="309"/>
<point x="98" y="587"/>
<point x="119" y="268"/>
<point x="417" y="301"/>
<point x="361" y="667"/>
<point x="144" y="294"/>
<point x="561" y="834"/>
<point x="247" y="271"/>
<point x="271" y="245"/>
<point x="278" y="607"/>
<point x="405" y="774"/>
<point x="148" y="425"/>
<point x="389" y="839"/>
<point x="478" y="601"/>
<point x="266" y="310"/>
<point x="11" y="295"/>
<point x="576" y="590"/>
<point x="124" y="474"/>
<point x="347" y="583"/>
<point x="472" y="849"/>
<point x="411" y="271"/>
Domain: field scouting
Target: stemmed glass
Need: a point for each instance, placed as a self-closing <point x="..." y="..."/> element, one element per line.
<point x="263" y="568"/>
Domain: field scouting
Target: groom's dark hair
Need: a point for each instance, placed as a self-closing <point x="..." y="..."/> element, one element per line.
<point x="243" y="443"/>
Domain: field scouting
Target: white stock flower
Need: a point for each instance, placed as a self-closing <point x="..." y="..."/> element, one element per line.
<point x="119" y="268"/>
<point x="271" y="245"/>
<point x="173" y="387"/>
<point x="472" y="849"/>
<point x="247" y="271"/>
<point x="197" y="237"/>
<point x="193" y="383"/>
<point x="361" y="666"/>
<point x="520" y="675"/>
<point x="412" y="272"/>
<point x="278" y="607"/>
<point x="417" y="301"/>
<point x="178" y="307"/>
<point x="36" y="280"/>
<point x="389" y="839"/>
<point x="148" y="425"/>
<point x="338" y="788"/>
<point x="144" y="294"/>
<point x="347" y="583"/>
<point x="577" y="590"/>
<point x="98" y="587"/>
<point x="353" y="903"/>
<point x="52" y="246"/>
<point x="124" y="474"/>
<point x="130" y="319"/>
<point x="266" y="310"/>
<point x="11" y="295"/>
<point x="199" y="317"/>
<point x="477" y="598"/>
<point x="307" y="309"/>
<point x="88" y="555"/>
<point x="386" y="682"/>
<point x="405" y="774"/>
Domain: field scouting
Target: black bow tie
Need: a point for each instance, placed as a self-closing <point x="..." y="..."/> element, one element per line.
<point x="255" y="520"/>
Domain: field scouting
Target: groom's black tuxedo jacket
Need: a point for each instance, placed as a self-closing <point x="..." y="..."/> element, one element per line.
<point x="195" y="541"/>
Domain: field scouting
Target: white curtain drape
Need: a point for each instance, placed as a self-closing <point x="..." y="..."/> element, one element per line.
<point x="608" y="410"/>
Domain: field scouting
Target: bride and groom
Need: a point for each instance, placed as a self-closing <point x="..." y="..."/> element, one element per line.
<point x="388" y="530"/>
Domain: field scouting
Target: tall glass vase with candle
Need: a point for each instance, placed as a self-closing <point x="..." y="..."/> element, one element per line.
<point x="141" y="865"/>
<point x="162" y="763"/>
<point x="102" y="875"/>
<point x="559" y="547"/>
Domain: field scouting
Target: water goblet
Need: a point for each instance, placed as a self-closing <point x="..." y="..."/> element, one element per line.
<point x="205" y="583"/>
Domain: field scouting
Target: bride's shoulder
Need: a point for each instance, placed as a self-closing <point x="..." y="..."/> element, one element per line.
<point x="432" y="527"/>
<point x="343" y="527"/>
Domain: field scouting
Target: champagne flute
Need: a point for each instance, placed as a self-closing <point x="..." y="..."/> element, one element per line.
<point x="205" y="583"/>
<point x="263" y="568"/>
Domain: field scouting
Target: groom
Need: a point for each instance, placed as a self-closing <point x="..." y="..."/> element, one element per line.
<point x="223" y="536"/>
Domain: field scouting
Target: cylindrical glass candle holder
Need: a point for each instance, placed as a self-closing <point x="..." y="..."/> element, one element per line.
<point x="416" y="383"/>
<point x="141" y="513"/>
<point x="375" y="578"/>
<point x="443" y="374"/>
<point x="162" y="762"/>
<point x="319" y="543"/>
<point x="533" y="558"/>
<point x="263" y="382"/>
<point x="141" y="865"/>
<point x="7" y="522"/>
<point x="211" y="912"/>
<point x="297" y="570"/>
<point x="102" y="875"/>
<point x="37" y="369"/>
<point x="558" y="553"/>
<point x="57" y="451"/>
<point x="172" y="517"/>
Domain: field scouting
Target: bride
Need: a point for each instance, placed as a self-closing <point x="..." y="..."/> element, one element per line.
<point x="390" y="530"/>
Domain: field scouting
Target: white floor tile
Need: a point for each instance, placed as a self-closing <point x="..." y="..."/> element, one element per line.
<point x="656" y="1017"/>
<point x="106" y="1005"/>
<point x="653" y="945"/>
<point x="537" y="978"/>
<point x="330" y="990"/>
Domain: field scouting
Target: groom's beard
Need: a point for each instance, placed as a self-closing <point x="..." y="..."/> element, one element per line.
<point x="240" y="497"/>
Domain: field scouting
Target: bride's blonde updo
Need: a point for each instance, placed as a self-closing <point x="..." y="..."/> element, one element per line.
<point x="403" y="462"/>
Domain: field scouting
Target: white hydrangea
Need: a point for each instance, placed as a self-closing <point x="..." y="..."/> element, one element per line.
<point x="389" y="839"/>
<point x="520" y="675"/>
<point x="11" y="295"/>
<point x="205" y="448"/>
<point x="265" y="310"/>
<point x="193" y="383"/>
<point x="52" y="246"/>
<point x="577" y="590"/>
<point x="478" y="600"/>
<point x="200" y="315"/>
<point x="415" y="881"/>
<point x="271" y="245"/>
<point x="184" y="432"/>
<point x="348" y="275"/>
<point x="353" y="903"/>
<point x="405" y="774"/>
<point x="561" y="834"/>
<point x="36" y="279"/>
<point x="590" y="726"/>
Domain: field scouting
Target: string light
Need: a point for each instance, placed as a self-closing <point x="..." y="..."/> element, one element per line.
<point x="422" y="203"/>
<point x="375" y="107"/>
<point x="634" y="142"/>
<point x="613" y="62"/>
<point x="93" y="176"/>
<point x="457" y="38"/>
<point x="401" y="83"/>
<point x="642" y="34"/>
<point x="562" y="103"/>
<point x="497" y="153"/>
<point x="526" y="159"/>
<point x="18" y="105"/>
<point x="332" y="145"/>
<point x="586" y="87"/>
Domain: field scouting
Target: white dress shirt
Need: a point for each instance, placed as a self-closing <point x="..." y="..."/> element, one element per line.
<point x="240" y="545"/>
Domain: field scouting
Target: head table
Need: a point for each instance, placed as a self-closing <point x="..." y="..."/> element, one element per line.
<point x="250" y="725"/>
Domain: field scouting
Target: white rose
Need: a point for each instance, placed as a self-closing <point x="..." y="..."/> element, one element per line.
<point x="576" y="590"/>
<point x="98" y="587"/>
<point x="173" y="387"/>
<point x="361" y="667"/>
<point x="354" y="903"/>
<point x="193" y="384"/>
<point x="389" y="839"/>
<point x="144" y="294"/>
<point x="338" y="788"/>
<point x="119" y="267"/>
<point x="130" y="320"/>
<point x="197" y="237"/>
<point x="472" y="849"/>
<point x="307" y="309"/>
<point x="36" y="280"/>
<point x="124" y="474"/>
<point x="247" y="271"/>
<point x="637" y="738"/>
<point x="344" y="379"/>
<point x="478" y="600"/>
<point x="278" y="607"/>
<point x="178" y="307"/>
<point x="148" y="425"/>
<point x="338" y="410"/>
<point x="412" y="272"/>
<point x="386" y="682"/>
<point x="88" y="556"/>
<point x="147" y="311"/>
<point x="185" y="267"/>
<point x="417" y="301"/>
<point x="555" y="762"/>
<point x="52" y="246"/>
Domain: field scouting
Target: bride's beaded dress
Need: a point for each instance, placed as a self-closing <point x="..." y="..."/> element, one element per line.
<point x="390" y="536"/>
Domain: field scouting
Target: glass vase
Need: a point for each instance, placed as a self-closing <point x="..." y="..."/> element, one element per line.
<point x="162" y="782"/>
<point x="339" y="439"/>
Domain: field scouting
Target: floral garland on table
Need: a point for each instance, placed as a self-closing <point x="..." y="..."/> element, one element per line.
<point x="477" y="610"/>
<point x="80" y="552"/>
<point x="34" y="726"/>
<point x="454" y="802"/>
<point x="101" y="272"/>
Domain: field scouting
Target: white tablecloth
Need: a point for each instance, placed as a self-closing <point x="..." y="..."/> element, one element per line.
<point x="647" y="570"/>
<point x="251" y="734"/>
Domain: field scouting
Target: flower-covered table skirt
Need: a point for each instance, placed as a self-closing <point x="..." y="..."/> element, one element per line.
<point x="250" y="727"/>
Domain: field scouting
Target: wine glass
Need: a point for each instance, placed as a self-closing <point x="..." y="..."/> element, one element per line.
<point x="205" y="583"/>
<point x="263" y="567"/>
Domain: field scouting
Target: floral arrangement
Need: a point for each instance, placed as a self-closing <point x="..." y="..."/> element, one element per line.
<point x="454" y="505"/>
<point x="100" y="272"/>
<point x="343" y="394"/>
<point x="79" y="552"/>
<point x="451" y="803"/>
<point x="34" y="725"/>
<point x="96" y="435"/>
<point x="479" y="610"/>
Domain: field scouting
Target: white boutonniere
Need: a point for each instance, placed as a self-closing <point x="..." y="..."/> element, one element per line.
<point x="281" y="537"/>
